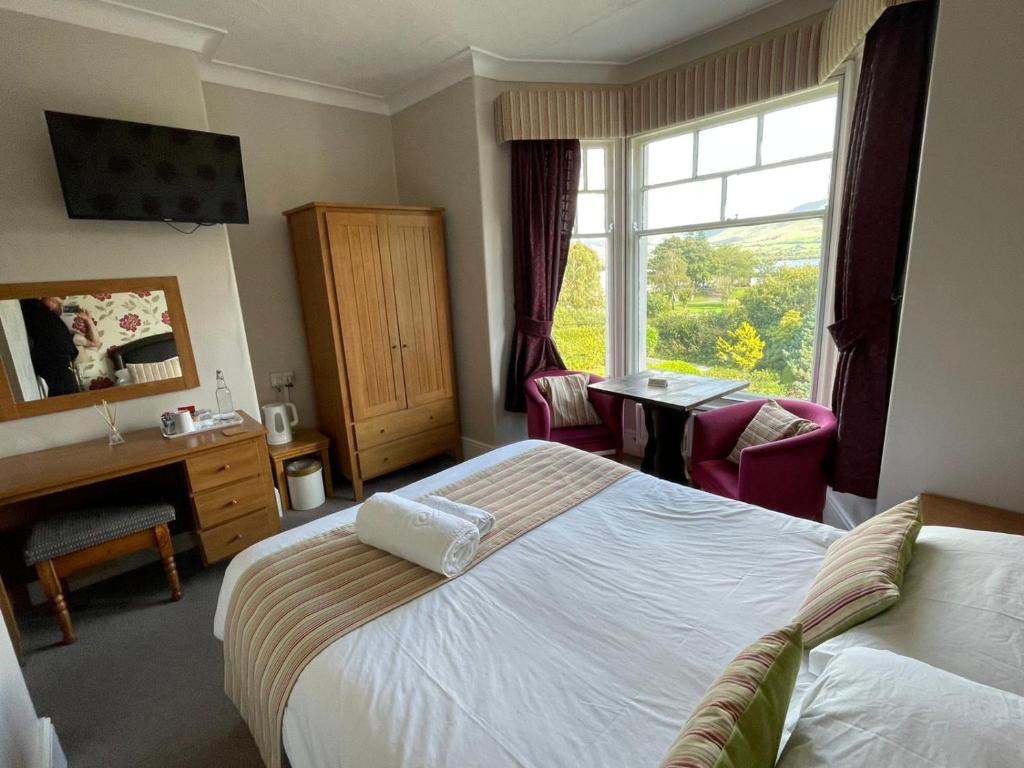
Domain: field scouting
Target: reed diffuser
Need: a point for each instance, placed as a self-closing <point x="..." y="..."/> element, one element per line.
<point x="110" y="418"/>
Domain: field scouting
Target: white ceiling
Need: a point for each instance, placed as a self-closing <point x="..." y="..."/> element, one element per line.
<point x="383" y="46"/>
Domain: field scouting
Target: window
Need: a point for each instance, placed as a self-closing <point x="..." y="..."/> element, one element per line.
<point x="732" y="217"/>
<point x="580" y="326"/>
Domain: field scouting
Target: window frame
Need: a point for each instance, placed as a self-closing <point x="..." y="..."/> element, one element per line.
<point x="633" y="350"/>
<point x="614" y="235"/>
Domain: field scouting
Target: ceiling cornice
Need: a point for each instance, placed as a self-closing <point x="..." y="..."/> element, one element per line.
<point x="122" y="19"/>
<point x="252" y="79"/>
<point x="449" y="72"/>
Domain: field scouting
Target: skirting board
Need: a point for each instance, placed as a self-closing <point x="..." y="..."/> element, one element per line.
<point x="472" y="448"/>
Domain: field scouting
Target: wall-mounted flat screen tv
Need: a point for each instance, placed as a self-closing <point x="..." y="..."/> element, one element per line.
<point x="113" y="169"/>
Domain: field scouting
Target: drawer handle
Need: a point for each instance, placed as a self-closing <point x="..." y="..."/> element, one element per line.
<point x="382" y="431"/>
<point x="236" y="537"/>
<point x="232" y="503"/>
<point x="225" y="468"/>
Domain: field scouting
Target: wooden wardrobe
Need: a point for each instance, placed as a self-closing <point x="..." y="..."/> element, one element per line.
<point x="374" y="287"/>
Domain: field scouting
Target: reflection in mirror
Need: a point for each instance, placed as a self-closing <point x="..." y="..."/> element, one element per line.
<point x="61" y="345"/>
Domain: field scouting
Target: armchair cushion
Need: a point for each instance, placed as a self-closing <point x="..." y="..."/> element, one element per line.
<point x="772" y="422"/>
<point x="568" y="399"/>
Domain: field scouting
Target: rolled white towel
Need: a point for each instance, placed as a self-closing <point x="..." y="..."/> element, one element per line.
<point x="482" y="519"/>
<point x="444" y="543"/>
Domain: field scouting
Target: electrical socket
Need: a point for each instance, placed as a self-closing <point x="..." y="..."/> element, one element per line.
<point x="282" y="379"/>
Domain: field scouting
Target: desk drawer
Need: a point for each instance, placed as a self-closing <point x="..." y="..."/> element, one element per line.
<point x="399" y="453"/>
<point x="393" y="426"/>
<point x="232" y="537"/>
<point x="229" y="501"/>
<point x="227" y="465"/>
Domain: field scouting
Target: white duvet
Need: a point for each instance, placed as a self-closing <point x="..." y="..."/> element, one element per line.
<point x="587" y="641"/>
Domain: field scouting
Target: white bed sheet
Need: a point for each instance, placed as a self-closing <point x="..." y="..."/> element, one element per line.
<point x="588" y="641"/>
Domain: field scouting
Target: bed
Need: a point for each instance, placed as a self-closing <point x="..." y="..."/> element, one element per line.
<point x="587" y="641"/>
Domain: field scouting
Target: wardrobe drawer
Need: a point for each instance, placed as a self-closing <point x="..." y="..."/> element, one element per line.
<point x="232" y="537"/>
<point x="412" y="421"/>
<point x="226" y="465"/>
<point x="399" y="453"/>
<point x="229" y="501"/>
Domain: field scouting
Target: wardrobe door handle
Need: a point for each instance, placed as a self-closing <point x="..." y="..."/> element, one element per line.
<point x="225" y="468"/>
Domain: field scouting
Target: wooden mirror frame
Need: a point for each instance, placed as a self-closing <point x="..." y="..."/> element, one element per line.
<point x="11" y="409"/>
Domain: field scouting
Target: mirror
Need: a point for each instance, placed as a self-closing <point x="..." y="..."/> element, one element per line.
<point x="68" y="344"/>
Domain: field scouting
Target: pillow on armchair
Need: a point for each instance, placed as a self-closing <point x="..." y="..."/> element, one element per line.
<point x="771" y="423"/>
<point x="568" y="399"/>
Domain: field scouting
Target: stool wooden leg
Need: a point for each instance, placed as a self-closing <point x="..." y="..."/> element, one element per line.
<point x="163" y="543"/>
<point x="282" y="485"/>
<point x="51" y="586"/>
<point x="325" y="459"/>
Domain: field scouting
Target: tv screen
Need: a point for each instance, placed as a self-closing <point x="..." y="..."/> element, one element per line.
<point x="113" y="169"/>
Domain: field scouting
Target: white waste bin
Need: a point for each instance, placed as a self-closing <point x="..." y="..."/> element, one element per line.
<point x="305" y="483"/>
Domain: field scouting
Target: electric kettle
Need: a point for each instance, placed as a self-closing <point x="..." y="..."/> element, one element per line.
<point x="276" y="420"/>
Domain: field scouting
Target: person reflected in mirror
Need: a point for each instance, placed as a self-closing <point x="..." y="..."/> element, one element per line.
<point x="53" y="345"/>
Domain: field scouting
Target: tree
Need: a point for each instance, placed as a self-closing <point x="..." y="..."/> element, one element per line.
<point x="734" y="267"/>
<point x="581" y="285"/>
<point x="668" y="278"/>
<point x="580" y="316"/>
<point x="745" y="348"/>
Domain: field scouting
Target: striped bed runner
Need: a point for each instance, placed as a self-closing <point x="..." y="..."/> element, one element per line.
<point x="289" y="606"/>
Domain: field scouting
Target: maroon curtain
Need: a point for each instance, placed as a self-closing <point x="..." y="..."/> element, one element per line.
<point x="545" y="175"/>
<point x="881" y="179"/>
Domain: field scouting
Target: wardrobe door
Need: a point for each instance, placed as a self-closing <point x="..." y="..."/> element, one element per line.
<point x="416" y="243"/>
<point x="366" y="302"/>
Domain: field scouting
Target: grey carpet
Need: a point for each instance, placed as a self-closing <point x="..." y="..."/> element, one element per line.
<point x="143" y="686"/>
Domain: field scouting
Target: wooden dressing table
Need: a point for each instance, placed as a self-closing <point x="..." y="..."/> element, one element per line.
<point x="227" y="478"/>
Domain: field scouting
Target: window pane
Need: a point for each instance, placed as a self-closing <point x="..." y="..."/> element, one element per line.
<point x="590" y="211"/>
<point x="807" y="129"/>
<point x="681" y="204"/>
<point x="792" y="189"/>
<point x="725" y="147"/>
<point x="595" y="168"/>
<point x="736" y="303"/>
<point x="581" y="316"/>
<point x="669" y="159"/>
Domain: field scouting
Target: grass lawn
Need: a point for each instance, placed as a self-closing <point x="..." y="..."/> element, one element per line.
<point x="703" y="303"/>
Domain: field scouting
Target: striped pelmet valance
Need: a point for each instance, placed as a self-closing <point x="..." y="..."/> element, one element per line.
<point x="781" y="62"/>
<point x="575" y="113"/>
<point x="846" y="26"/>
<point x="784" y="61"/>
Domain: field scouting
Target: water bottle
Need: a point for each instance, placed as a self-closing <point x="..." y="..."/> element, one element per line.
<point x="225" y="406"/>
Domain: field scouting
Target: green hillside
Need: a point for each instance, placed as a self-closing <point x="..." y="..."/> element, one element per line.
<point x="788" y="240"/>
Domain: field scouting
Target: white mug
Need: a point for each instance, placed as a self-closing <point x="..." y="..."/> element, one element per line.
<point x="183" y="423"/>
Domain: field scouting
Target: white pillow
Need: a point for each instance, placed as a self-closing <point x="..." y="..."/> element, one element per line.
<point x="961" y="609"/>
<point x="874" y="708"/>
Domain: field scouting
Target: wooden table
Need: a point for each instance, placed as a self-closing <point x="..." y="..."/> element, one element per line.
<point x="666" y="410"/>
<point x="222" y="472"/>
<point x="304" y="442"/>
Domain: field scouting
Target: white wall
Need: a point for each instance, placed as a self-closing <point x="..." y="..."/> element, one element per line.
<point x="956" y="422"/>
<point x="438" y="163"/>
<point x="49" y="65"/>
<point x="26" y="741"/>
<point x="293" y="152"/>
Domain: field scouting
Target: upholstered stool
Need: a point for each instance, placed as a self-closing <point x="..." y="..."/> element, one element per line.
<point x="70" y="541"/>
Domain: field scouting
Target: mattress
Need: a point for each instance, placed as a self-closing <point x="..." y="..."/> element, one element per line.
<point x="587" y="641"/>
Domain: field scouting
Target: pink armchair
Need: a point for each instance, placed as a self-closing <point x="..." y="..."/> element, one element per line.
<point x="606" y="436"/>
<point x="787" y="475"/>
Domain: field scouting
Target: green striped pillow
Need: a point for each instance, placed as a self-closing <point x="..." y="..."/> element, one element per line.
<point x="862" y="573"/>
<point x="738" y="723"/>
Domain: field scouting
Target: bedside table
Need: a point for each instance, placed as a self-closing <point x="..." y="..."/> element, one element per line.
<point x="304" y="443"/>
